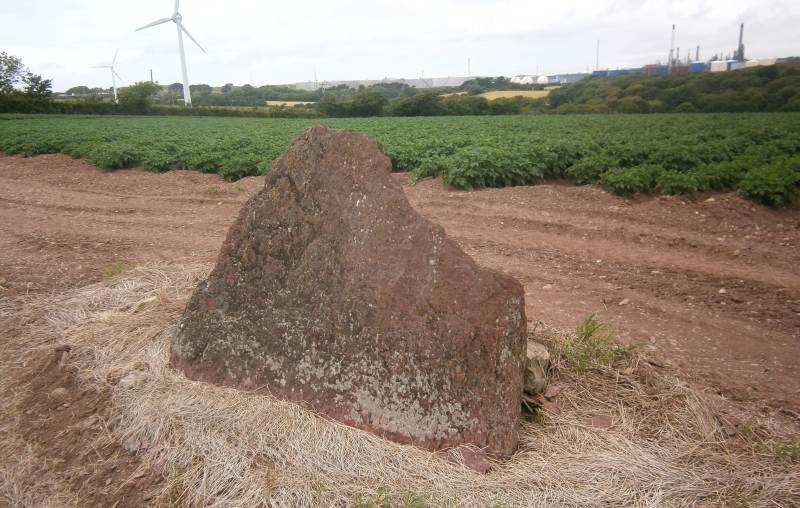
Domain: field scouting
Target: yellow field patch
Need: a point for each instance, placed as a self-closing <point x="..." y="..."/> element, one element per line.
<point x="288" y="103"/>
<point x="533" y="94"/>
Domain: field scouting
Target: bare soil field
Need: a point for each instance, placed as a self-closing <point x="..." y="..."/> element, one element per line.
<point x="708" y="285"/>
<point x="712" y="282"/>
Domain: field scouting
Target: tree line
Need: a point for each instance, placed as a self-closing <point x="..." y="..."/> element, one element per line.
<point x="19" y="83"/>
<point x="756" y="89"/>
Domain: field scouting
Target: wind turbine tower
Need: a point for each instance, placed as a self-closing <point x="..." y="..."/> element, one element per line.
<point x="178" y="20"/>
<point x="113" y="73"/>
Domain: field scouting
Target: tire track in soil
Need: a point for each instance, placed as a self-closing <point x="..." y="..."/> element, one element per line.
<point x="576" y="250"/>
<point x="579" y="250"/>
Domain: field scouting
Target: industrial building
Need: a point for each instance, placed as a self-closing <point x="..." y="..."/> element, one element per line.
<point x="674" y="65"/>
<point x="526" y="79"/>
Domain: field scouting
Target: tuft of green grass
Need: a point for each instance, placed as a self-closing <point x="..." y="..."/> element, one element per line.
<point x="532" y="412"/>
<point x="176" y="488"/>
<point x="213" y="188"/>
<point x="592" y="345"/>
<point x="736" y="501"/>
<point x="385" y="499"/>
<point x="238" y="188"/>
<point x="118" y="268"/>
<point x="789" y="452"/>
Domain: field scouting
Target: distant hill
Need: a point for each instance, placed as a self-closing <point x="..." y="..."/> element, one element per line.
<point x="755" y="89"/>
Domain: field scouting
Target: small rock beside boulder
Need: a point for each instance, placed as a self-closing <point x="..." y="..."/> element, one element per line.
<point x="537" y="365"/>
<point x="331" y="290"/>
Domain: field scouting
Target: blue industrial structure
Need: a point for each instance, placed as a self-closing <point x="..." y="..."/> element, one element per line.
<point x="618" y="72"/>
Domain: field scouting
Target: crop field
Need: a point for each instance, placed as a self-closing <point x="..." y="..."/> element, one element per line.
<point x="758" y="155"/>
<point x="532" y="94"/>
<point x="287" y="103"/>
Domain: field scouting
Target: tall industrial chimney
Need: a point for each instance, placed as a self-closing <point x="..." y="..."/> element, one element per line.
<point x="671" y="61"/>
<point x="740" y="53"/>
<point x="597" y="65"/>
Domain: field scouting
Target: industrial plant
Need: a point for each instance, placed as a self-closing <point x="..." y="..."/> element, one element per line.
<point x="675" y="65"/>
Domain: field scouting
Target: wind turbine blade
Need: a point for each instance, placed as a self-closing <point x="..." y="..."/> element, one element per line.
<point x="115" y="72"/>
<point x="101" y="66"/>
<point x="115" y="59"/>
<point x="154" y="23"/>
<point x="176" y="5"/>
<point x="190" y="36"/>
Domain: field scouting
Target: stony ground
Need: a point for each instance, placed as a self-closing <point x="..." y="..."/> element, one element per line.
<point x="710" y="283"/>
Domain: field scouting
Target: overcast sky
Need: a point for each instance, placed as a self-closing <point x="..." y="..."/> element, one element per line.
<point x="260" y="42"/>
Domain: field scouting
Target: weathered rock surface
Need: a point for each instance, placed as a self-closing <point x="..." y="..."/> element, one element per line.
<point x="331" y="290"/>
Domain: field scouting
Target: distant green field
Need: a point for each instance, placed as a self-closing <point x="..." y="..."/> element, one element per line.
<point x="756" y="154"/>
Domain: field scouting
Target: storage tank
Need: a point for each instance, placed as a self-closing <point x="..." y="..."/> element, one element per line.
<point x="527" y="80"/>
<point x="763" y="61"/>
<point x="697" y="67"/>
<point x="732" y="66"/>
<point x="542" y="80"/>
<point x="719" y="66"/>
<point x="515" y="79"/>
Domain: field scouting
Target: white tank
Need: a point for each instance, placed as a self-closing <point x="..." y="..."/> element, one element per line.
<point x="763" y="61"/>
<point x="527" y="80"/>
<point x="719" y="66"/>
<point x="542" y="80"/>
<point x="515" y="79"/>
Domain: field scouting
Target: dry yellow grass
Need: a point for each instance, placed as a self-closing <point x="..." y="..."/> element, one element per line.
<point x="223" y="447"/>
<point x="533" y="94"/>
<point x="288" y="103"/>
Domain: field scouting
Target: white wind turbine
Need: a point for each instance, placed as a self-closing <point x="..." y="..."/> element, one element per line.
<point x="113" y="73"/>
<point x="177" y="18"/>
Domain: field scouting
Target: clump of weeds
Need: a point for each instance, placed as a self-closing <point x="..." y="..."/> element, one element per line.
<point x="385" y="499"/>
<point x="789" y="452"/>
<point x="532" y="412"/>
<point x="115" y="269"/>
<point x="592" y="346"/>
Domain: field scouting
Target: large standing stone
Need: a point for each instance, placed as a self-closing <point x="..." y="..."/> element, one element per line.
<point x="330" y="289"/>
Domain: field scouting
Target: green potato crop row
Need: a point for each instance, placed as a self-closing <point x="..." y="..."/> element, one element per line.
<point x="758" y="155"/>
